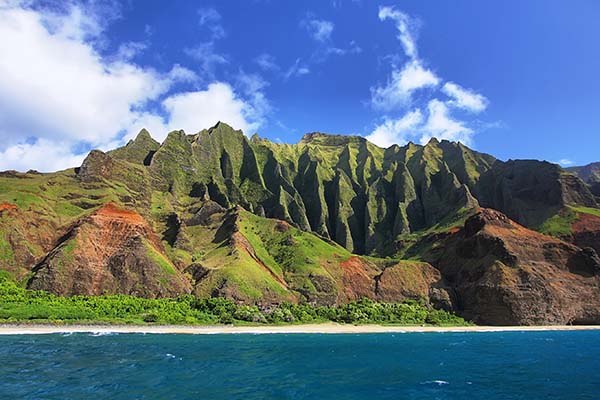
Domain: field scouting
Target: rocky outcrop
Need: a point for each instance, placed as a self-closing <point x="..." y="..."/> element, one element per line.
<point x="586" y="231"/>
<point x="96" y="166"/>
<point x="505" y="274"/>
<point x="531" y="191"/>
<point x="138" y="151"/>
<point x="110" y="251"/>
<point x="588" y="173"/>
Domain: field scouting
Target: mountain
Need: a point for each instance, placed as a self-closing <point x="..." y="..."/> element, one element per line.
<point x="589" y="173"/>
<point x="326" y="221"/>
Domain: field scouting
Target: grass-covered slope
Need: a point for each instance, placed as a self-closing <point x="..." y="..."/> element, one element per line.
<point x="323" y="221"/>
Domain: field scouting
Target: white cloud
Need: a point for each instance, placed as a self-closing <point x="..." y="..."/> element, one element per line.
<point x="403" y="83"/>
<point x="296" y="69"/>
<point x="399" y="94"/>
<point x="266" y="62"/>
<point x="464" y="98"/>
<point x="319" y="29"/>
<point x="43" y="155"/>
<point x="258" y="106"/>
<point x="565" y="162"/>
<point x="211" y="19"/>
<point x="396" y="131"/>
<point x="59" y="96"/>
<point x="406" y="28"/>
<point x="182" y="74"/>
<point x="208" y="59"/>
<point x="441" y="125"/>
<point x="129" y="50"/>
<point x="194" y="110"/>
<point x="53" y="84"/>
<point x="413" y="126"/>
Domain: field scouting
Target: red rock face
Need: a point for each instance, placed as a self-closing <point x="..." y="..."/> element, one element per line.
<point x="503" y="273"/>
<point x="586" y="231"/>
<point x="357" y="279"/>
<point x="110" y="251"/>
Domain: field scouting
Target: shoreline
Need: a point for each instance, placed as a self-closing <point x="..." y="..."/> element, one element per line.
<point x="326" y="328"/>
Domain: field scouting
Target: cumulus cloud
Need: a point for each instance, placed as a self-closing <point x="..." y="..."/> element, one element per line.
<point x="43" y="155"/>
<point x="193" y="110"/>
<point x="398" y="131"/>
<point x="402" y="84"/>
<point x="441" y="125"/>
<point x="54" y="84"/>
<point x="59" y="96"/>
<point x="406" y="80"/>
<point x="399" y="94"/>
<point x="413" y="126"/>
<point x="465" y="98"/>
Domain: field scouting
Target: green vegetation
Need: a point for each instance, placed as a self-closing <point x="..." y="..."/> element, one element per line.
<point x="6" y="251"/>
<point x="158" y="258"/>
<point x="19" y="305"/>
<point x="587" y="210"/>
<point x="559" y="224"/>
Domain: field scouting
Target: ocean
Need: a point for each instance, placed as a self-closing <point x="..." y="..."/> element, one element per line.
<point x="496" y="365"/>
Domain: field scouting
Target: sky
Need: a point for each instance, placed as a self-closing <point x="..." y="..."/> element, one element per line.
<point x="513" y="78"/>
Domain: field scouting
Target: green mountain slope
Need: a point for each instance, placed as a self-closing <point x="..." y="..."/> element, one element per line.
<point x="324" y="221"/>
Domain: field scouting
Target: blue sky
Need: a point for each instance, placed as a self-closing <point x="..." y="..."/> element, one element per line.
<point x="512" y="78"/>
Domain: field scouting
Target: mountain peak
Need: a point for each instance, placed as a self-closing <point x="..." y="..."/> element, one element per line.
<point x="143" y="135"/>
<point x="433" y="142"/>
<point x="329" y="139"/>
<point x="221" y="125"/>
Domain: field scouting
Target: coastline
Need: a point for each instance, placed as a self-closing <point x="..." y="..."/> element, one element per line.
<point x="326" y="328"/>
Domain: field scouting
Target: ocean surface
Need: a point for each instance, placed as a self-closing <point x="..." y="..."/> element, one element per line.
<point x="499" y="365"/>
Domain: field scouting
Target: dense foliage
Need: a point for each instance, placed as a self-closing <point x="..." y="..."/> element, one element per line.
<point x="18" y="305"/>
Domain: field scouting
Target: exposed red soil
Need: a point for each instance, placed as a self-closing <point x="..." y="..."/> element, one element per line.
<point x="586" y="222"/>
<point x="357" y="278"/>
<point x="113" y="211"/>
<point x="7" y="207"/>
<point x="108" y="254"/>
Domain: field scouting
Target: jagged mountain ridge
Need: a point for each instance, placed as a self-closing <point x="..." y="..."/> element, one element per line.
<point x="347" y="189"/>
<point x="203" y="198"/>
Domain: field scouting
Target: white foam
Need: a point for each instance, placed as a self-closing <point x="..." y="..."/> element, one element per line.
<point x="435" y="382"/>
<point x="103" y="333"/>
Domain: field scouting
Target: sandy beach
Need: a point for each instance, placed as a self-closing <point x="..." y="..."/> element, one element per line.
<point x="35" y="329"/>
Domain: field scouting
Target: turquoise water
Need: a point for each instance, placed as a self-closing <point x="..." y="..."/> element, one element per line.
<point x="508" y="365"/>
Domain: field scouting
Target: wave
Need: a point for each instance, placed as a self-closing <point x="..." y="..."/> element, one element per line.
<point x="435" y="382"/>
<point x="102" y="333"/>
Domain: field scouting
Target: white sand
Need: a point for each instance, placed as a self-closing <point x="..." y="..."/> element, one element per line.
<point x="23" y="329"/>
